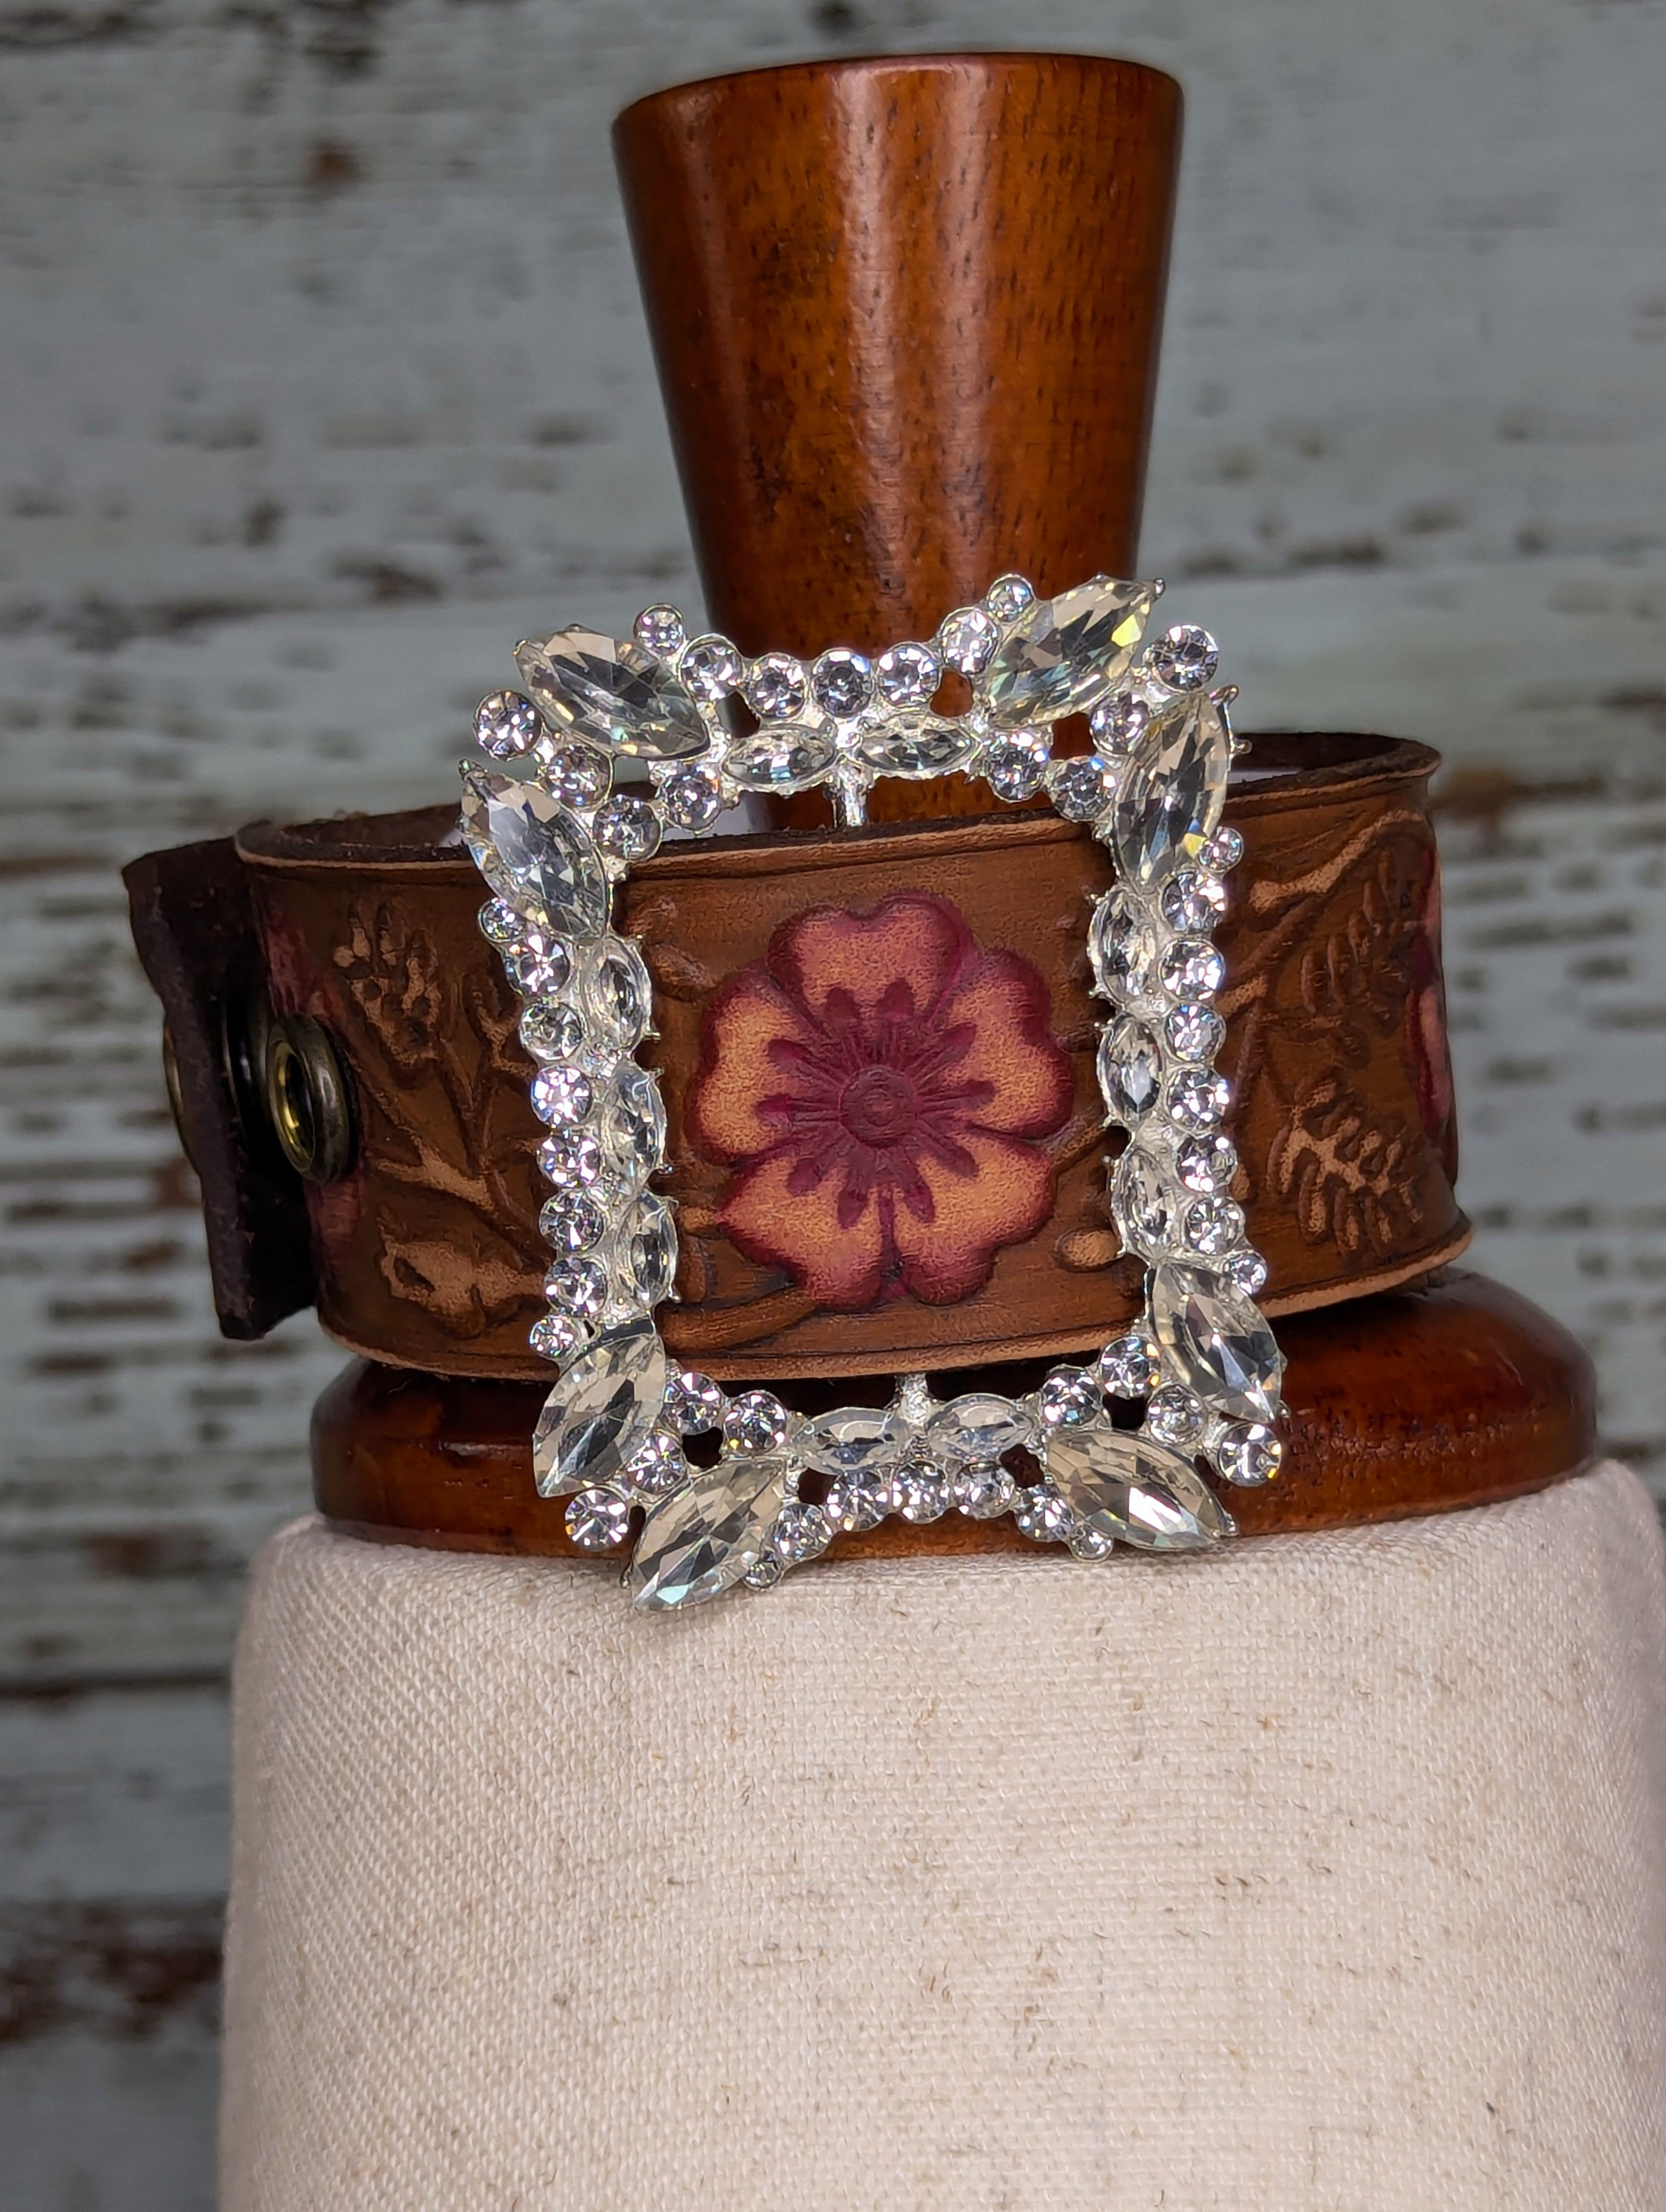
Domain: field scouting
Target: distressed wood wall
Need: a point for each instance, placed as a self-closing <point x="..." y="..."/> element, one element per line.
<point x="323" y="379"/>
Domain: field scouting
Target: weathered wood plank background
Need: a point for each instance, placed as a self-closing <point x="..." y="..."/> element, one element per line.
<point x="323" y="379"/>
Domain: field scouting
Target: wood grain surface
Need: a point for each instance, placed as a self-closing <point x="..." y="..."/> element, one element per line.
<point x="325" y="380"/>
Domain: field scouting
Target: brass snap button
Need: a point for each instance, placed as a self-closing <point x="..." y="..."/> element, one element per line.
<point x="307" y="1098"/>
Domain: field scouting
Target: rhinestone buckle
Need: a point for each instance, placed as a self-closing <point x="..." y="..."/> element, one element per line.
<point x="1198" y="1379"/>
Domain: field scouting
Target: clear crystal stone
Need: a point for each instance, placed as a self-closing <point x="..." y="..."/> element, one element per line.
<point x="662" y="631"/>
<point x="692" y="799"/>
<point x="562" y="1096"/>
<point x="500" y="924"/>
<point x="982" y="1490"/>
<point x="579" y="775"/>
<point x="618" y="997"/>
<point x="756" y="1421"/>
<point x="1194" y="1030"/>
<point x="1246" y="1271"/>
<point x="633" y="1122"/>
<point x="788" y="758"/>
<point x="920" y="1493"/>
<point x="914" y="1401"/>
<point x="618" y="695"/>
<point x="978" y="1426"/>
<point x="572" y="1222"/>
<point x="658" y="1465"/>
<point x="853" y="1440"/>
<point x="1065" y="654"/>
<point x="1175" y="788"/>
<point x="800" y="1532"/>
<point x="1090" y="1543"/>
<point x="704" y="1539"/>
<point x="1247" y="1453"/>
<point x="1121" y="948"/>
<point x="1174" y="1416"/>
<point x="1224" y="851"/>
<point x="1191" y="900"/>
<point x="539" y="964"/>
<point x="1214" y="1225"/>
<point x="908" y="675"/>
<point x="765" y="1571"/>
<point x="648" y="1254"/>
<point x="550" y="1030"/>
<point x="841" y="682"/>
<point x="1192" y="969"/>
<point x="1216" y="1342"/>
<point x="626" y="828"/>
<point x="854" y="1502"/>
<point x="505" y="724"/>
<point x="1184" y="658"/>
<point x="1119" y="724"/>
<point x="1069" y="1396"/>
<point x="1008" y="596"/>
<point x="966" y="638"/>
<point x="1135" y="1491"/>
<point x="693" y="1403"/>
<point x="598" y="1520"/>
<point x="1042" y="1515"/>
<point x="777" y="688"/>
<point x="1130" y="1070"/>
<point x="916" y="746"/>
<point x="1206" y="1162"/>
<point x="1197" y="1099"/>
<point x="601" y="1412"/>
<point x="533" y="853"/>
<point x="1080" y="788"/>
<point x="577" y="1286"/>
<point x="1015" y="767"/>
<point x="1144" y="1202"/>
<point x="1128" y="1367"/>
<point x="712" y="667"/>
<point x="553" y="1335"/>
<point x="573" y="1159"/>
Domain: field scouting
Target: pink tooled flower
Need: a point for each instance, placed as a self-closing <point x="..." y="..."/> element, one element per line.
<point x="878" y="1083"/>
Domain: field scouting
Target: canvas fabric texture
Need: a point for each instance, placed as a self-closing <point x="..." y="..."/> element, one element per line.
<point x="1322" y="1875"/>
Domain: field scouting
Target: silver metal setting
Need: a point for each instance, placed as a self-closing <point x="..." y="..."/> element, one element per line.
<point x="1197" y="1381"/>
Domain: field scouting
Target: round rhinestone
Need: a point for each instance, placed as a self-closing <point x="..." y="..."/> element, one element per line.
<point x="922" y="1493"/>
<point x="1091" y="1544"/>
<point x="537" y="964"/>
<point x="1195" y="1031"/>
<point x="505" y="724"/>
<point x="1184" y="658"/>
<point x="499" y="923"/>
<point x="712" y="667"/>
<point x="1192" y="969"/>
<point x="982" y="1490"/>
<point x="658" y="1467"/>
<point x="1174" y="1416"/>
<point x="617" y="995"/>
<point x="562" y="1096"/>
<point x="662" y="631"/>
<point x="1119" y="724"/>
<point x="1128" y="1367"/>
<point x="1069" y="1397"/>
<point x="1247" y="1272"/>
<point x="777" y="688"/>
<point x="841" y="682"/>
<point x="692" y="799"/>
<point x="553" y="1335"/>
<point x="765" y="1571"/>
<point x="1248" y="1452"/>
<point x="1081" y="789"/>
<point x="1008" y="597"/>
<point x="966" y="638"/>
<point x="1015" y="767"/>
<point x="550" y="1030"/>
<point x="800" y="1532"/>
<point x="1197" y="1099"/>
<point x="626" y="828"/>
<point x="1206" y="1163"/>
<point x="860" y="1501"/>
<point x="578" y="774"/>
<point x="693" y="1403"/>
<point x="756" y="1421"/>
<point x="577" y="1286"/>
<point x="1193" y="901"/>
<point x="1214" y="1225"/>
<point x="598" y="1520"/>
<point x="908" y="675"/>
<point x="1224" y="850"/>
<point x="572" y="1222"/>
<point x="573" y="1160"/>
<point x="1042" y="1515"/>
<point x="649" y="1254"/>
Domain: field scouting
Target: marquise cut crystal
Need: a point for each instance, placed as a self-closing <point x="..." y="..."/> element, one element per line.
<point x="536" y="856"/>
<point x="1167" y="811"/>
<point x="702" y="1540"/>
<point x="1217" y="1342"/>
<point x="617" y="693"/>
<point x="1134" y="1490"/>
<point x="601" y="1412"/>
<point x="1065" y="654"/>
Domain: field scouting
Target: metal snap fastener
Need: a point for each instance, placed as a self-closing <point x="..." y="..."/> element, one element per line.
<point x="307" y="1097"/>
